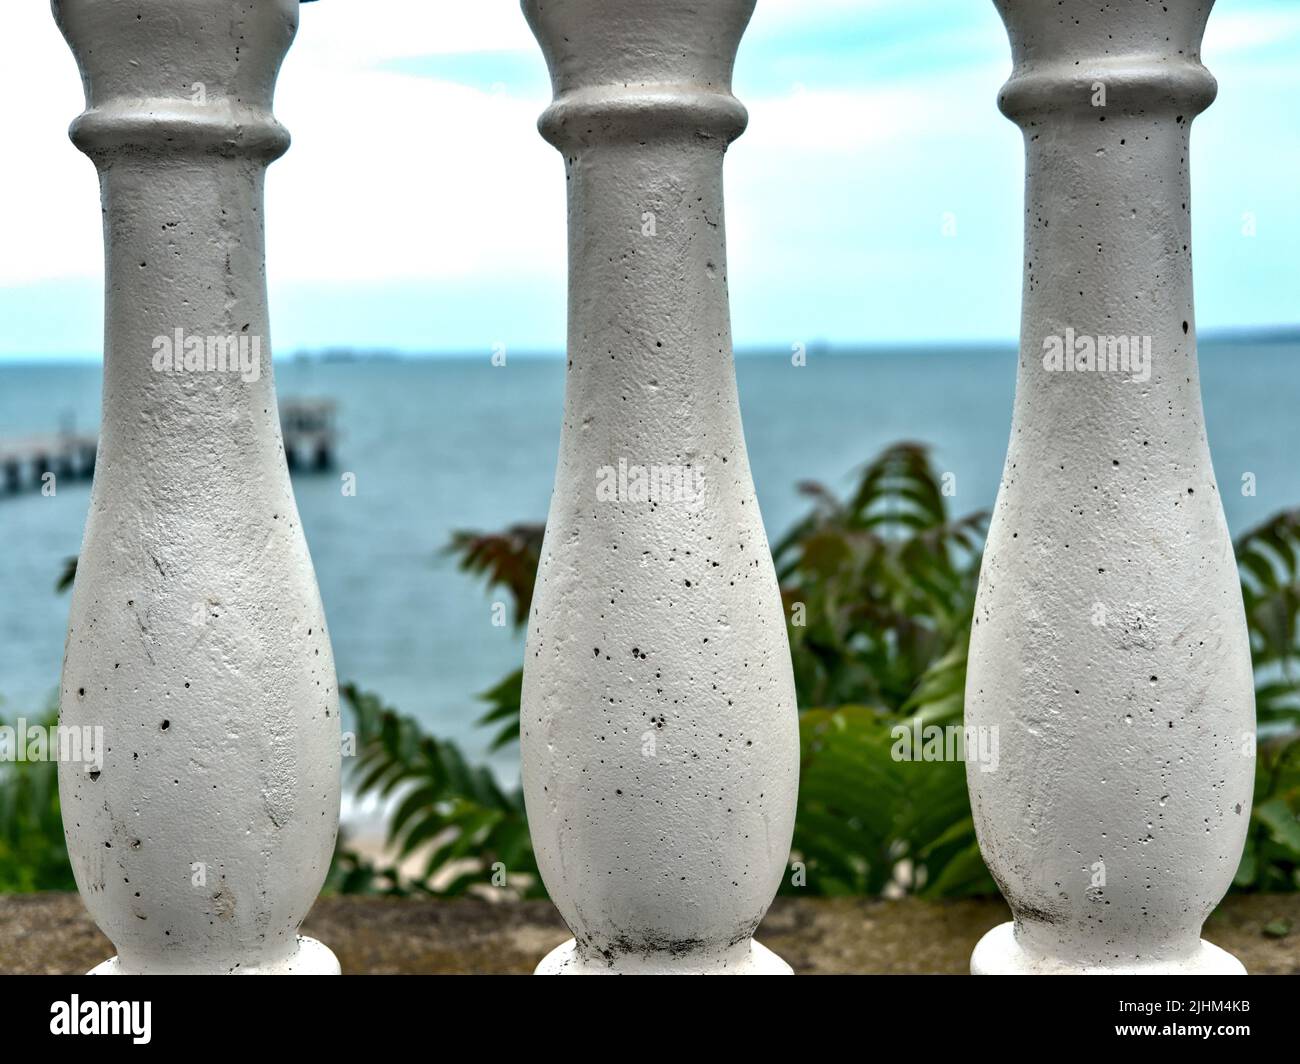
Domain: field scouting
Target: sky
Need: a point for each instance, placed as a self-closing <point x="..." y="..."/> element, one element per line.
<point x="874" y="200"/>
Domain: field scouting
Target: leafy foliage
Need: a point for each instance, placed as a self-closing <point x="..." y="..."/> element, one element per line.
<point x="870" y="824"/>
<point x="503" y="713"/>
<point x="1271" y="859"/>
<point x="452" y="818"/>
<point x="886" y="580"/>
<point x="32" y="851"/>
<point x="879" y="592"/>
<point x="68" y="576"/>
<point x="1270" y="586"/>
<point x="507" y="559"/>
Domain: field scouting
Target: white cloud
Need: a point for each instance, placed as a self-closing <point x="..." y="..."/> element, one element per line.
<point x="49" y="199"/>
<point x="834" y="123"/>
<point x="402" y="177"/>
<point x="390" y="176"/>
<point x="1228" y="32"/>
<point x="360" y="33"/>
<point x="394" y="177"/>
<point x="808" y="11"/>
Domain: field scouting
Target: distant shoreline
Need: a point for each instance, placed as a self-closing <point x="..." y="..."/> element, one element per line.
<point x="1268" y="334"/>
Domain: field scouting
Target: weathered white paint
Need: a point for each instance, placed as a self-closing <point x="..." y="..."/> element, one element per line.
<point x="197" y="640"/>
<point x="659" y="730"/>
<point x="1109" y="646"/>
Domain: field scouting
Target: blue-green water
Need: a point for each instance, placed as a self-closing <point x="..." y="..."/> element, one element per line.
<point x="444" y="444"/>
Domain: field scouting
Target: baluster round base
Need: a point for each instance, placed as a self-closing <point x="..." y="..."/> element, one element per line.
<point x="999" y="953"/>
<point x="309" y="958"/>
<point x="746" y="958"/>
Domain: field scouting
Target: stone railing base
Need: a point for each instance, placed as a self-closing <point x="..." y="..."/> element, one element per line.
<point x="998" y="953"/>
<point x="310" y="958"/>
<point x="751" y="958"/>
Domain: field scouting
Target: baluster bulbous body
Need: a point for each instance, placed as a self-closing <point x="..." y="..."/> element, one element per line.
<point x="197" y="642"/>
<point x="659" y="728"/>
<point x="1110" y="648"/>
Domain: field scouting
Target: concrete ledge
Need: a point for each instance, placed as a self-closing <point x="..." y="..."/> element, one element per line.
<point x="51" y="934"/>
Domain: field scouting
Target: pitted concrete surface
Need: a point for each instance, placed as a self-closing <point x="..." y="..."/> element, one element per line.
<point x="197" y="645"/>
<point x="51" y="934"/>
<point x="659" y="732"/>
<point x="1109" y="651"/>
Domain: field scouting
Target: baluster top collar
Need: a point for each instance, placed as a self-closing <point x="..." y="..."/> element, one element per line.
<point x="633" y="69"/>
<point x="1147" y="54"/>
<point x="168" y="76"/>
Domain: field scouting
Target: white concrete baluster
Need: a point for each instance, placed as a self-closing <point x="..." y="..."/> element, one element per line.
<point x="197" y="640"/>
<point x="1109" y="648"/>
<point x="659" y="729"/>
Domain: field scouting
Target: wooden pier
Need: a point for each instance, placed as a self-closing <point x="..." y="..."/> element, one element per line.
<point x="307" y="426"/>
<point x="24" y="463"/>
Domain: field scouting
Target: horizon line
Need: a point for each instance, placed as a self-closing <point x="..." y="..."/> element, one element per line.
<point x="1271" y="333"/>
